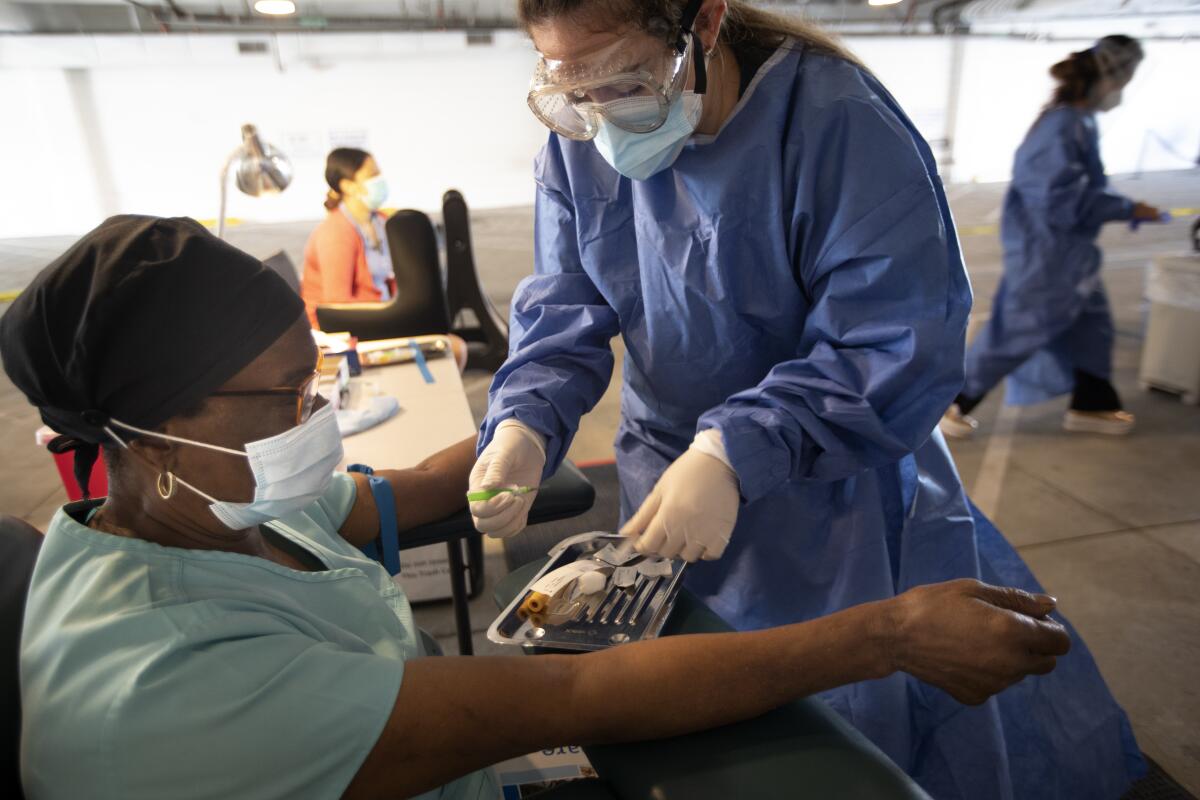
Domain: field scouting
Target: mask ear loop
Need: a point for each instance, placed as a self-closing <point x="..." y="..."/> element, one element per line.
<point x="172" y="478"/>
<point x="169" y="438"/>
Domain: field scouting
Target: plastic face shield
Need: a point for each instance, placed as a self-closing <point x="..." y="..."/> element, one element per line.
<point x="631" y="84"/>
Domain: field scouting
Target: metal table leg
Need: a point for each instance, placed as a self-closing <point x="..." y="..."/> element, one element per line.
<point x="458" y="590"/>
<point x="474" y="546"/>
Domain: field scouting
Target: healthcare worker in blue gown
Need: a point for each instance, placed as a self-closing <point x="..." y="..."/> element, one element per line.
<point x="1051" y="331"/>
<point x="754" y="214"/>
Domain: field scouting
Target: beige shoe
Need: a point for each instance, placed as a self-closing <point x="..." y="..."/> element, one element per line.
<point x="1113" y="423"/>
<point x="958" y="425"/>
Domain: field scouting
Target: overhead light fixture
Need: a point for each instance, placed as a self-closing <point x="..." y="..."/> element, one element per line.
<point x="275" y="8"/>
<point x="258" y="169"/>
<point x="869" y="2"/>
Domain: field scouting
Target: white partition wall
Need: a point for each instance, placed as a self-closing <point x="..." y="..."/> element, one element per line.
<point x="100" y="125"/>
<point x="95" y="125"/>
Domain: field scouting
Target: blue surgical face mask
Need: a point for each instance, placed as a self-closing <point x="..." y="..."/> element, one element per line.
<point x="640" y="155"/>
<point x="291" y="470"/>
<point x="377" y="192"/>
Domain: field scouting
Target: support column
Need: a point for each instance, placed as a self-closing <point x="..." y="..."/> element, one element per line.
<point x="958" y="46"/>
<point x="79" y="87"/>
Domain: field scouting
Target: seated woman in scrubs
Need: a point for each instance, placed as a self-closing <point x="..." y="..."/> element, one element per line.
<point x="211" y="629"/>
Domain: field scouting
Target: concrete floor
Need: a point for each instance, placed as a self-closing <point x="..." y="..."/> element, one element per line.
<point x="1110" y="526"/>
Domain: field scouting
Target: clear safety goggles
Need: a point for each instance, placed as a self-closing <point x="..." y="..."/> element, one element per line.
<point x="629" y="87"/>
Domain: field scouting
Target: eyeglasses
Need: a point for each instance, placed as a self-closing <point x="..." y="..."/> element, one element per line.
<point x="305" y="394"/>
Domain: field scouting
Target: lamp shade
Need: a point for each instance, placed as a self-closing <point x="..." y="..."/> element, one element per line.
<point x="260" y="168"/>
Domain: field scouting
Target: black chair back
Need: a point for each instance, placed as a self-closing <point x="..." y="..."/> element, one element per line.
<point x="286" y="269"/>
<point x="419" y="306"/>
<point x="488" y="336"/>
<point x="19" y="545"/>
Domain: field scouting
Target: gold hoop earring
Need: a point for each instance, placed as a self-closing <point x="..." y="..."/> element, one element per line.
<point x="166" y="493"/>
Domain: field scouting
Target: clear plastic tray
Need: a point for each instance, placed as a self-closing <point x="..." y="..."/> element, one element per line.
<point x="616" y="616"/>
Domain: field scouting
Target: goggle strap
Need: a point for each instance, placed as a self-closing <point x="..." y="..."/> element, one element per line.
<point x="701" y="68"/>
<point x="685" y="21"/>
<point x="685" y="29"/>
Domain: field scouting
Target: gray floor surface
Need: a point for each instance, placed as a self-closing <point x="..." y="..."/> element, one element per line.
<point x="1110" y="525"/>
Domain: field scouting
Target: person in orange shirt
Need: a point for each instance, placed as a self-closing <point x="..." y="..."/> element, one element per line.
<point x="346" y="259"/>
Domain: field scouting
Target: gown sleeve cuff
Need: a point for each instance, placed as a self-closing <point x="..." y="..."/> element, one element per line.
<point x="1125" y="211"/>
<point x="759" y="459"/>
<point x="553" y="444"/>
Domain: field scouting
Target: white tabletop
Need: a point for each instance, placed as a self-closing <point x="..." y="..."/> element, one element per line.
<point x="432" y="416"/>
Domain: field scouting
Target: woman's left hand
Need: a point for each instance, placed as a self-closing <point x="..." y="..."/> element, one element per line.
<point x="1146" y="213"/>
<point x="691" y="511"/>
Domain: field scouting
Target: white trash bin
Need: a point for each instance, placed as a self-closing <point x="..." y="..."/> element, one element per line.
<point x="1171" y="351"/>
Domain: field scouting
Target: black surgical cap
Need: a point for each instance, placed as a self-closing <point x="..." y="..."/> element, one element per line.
<point x="141" y="319"/>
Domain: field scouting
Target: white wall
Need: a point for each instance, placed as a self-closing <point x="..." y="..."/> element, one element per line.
<point x="1005" y="83"/>
<point x="91" y="126"/>
<point x="160" y="116"/>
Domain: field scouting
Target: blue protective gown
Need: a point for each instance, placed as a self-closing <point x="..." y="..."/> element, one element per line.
<point x="795" y="281"/>
<point x="1050" y="315"/>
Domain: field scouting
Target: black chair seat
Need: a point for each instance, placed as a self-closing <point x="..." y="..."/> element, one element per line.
<point x="19" y="545"/>
<point x="419" y="306"/>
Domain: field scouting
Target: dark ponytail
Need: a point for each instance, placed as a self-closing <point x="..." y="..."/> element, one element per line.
<point x="341" y="164"/>
<point x="1114" y="57"/>
<point x="1077" y="75"/>
<point x="744" y="23"/>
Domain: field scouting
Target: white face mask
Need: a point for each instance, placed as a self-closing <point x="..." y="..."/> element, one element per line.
<point x="291" y="470"/>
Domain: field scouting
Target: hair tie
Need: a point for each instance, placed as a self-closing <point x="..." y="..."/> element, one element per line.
<point x="86" y="454"/>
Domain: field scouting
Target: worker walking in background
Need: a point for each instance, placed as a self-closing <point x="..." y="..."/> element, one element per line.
<point x="1051" y="331"/>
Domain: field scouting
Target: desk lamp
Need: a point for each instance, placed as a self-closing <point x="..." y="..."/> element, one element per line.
<point x="259" y="168"/>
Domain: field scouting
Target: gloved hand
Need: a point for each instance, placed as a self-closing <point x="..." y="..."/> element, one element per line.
<point x="515" y="457"/>
<point x="691" y="511"/>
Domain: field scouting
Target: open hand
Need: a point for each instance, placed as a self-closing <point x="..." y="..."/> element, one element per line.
<point x="1146" y="213"/>
<point x="973" y="640"/>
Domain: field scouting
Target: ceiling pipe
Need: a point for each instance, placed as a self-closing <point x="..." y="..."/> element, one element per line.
<point x="955" y="24"/>
<point x="176" y="20"/>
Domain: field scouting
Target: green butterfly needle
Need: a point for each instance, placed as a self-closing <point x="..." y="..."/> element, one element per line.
<point x="487" y="494"/>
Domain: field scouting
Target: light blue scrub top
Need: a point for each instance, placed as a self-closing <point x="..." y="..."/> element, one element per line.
<point x="379" y="259"/>
<point x="153" y="672"/>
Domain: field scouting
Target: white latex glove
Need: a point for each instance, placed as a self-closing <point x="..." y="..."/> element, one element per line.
<point x="691" y="511"/>
<point x="515" y="457"/>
